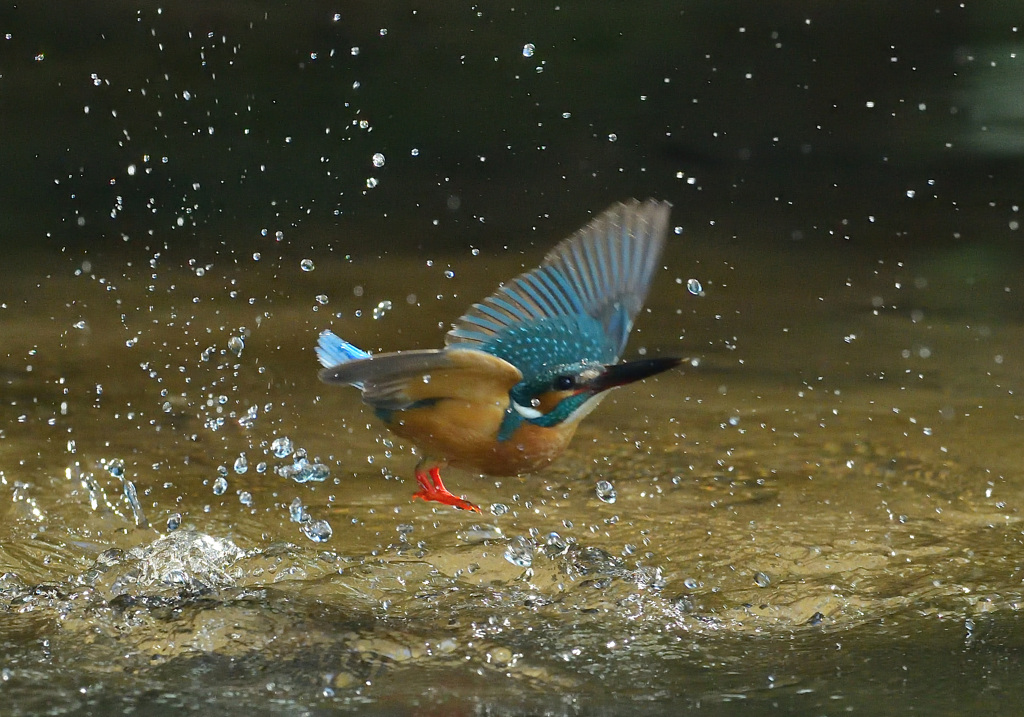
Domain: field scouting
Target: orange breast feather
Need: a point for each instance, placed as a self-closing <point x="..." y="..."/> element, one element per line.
<point x="465" y="405"/>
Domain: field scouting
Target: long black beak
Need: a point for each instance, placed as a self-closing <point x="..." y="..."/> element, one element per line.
<point x="622" y="373"/>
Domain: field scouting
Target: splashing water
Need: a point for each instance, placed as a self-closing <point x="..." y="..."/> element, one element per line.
<point x="318" y="531"/>
<point x="183" y="560"/>
<point x="605" y="491"/>
<point x="297" y="511"/>
<point x="282" y="447"/>
<point x="519" y="552"/>
<point x="132" y="496"/>
<point x="303" y="471"/>
<point x="250" y="417"/>
<point x="381" y="309"/>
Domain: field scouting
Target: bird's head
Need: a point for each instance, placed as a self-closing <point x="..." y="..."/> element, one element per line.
<point x="568" y="392"/>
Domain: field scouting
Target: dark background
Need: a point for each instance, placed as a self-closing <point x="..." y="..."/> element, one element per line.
<point x="858" y="121"/>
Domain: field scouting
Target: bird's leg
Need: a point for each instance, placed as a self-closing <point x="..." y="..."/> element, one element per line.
<point x="428" y="475"/>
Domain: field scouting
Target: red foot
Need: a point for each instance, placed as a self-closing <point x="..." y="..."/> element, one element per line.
<point x="433" y="489"/>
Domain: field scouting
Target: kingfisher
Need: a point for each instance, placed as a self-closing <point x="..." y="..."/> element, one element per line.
<point x="522" y="368"/>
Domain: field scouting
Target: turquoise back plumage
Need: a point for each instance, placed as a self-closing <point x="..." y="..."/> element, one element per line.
<point x="576" y="308"/>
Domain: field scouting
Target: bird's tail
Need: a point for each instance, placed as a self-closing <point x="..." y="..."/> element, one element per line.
<point x="334" y="351"/>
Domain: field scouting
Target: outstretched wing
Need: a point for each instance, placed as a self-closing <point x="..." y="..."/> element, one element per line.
<point x="395" y="381"/>
<point x="581" y="301"/>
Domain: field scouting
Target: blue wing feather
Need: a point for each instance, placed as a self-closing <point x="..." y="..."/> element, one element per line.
<point x="541" y="299"/>
<point x="581" y="302"/>
<point x="333" y="351"/>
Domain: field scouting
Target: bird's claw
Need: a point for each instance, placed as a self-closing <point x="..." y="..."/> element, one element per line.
<point x="446" y="498"/>
<point x="432" y="489"/>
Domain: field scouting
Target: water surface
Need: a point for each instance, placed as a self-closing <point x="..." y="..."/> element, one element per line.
<point x="820" y="513"/>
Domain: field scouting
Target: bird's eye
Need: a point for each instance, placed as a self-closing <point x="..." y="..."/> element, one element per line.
<point x="564" y="383"/>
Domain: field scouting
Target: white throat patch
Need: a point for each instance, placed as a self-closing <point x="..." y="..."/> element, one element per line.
<point x="527" y="412"/>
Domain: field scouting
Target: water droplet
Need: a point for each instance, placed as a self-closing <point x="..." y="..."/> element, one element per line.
<point x="605" y="491"/>
<point x="81" y="324"/>
<point x="529" y="49"/>
<point x="132" y="496"/>
<point x="220" y="486"/>
<point x="762" y="579"/>
<point x="302" y="471"/>
<point x="241" y="464"/>
<point x="245" y="498"/>
<point x="381" y="309"/>
<point x="691" y="583"/>
<point x="479" y="533"/>
<point x="694" y="287"/>
<point x="519" y="552"/>
<point x="307" y="265"/>
<point x="322" y="299"/>
<point x="174" y="522"/>
<point x="235" y="345"/>
<point x="115" y="467"/>
<point x="297" y="511"/>
<point x="371" y="182"/>
<point x="319" y="531"/>
<point x="378" y="160"/>
<point x="282" y="447"/>
<point x="498" y="509"/>
<point x="555" y="545"/>
<point x="249" y="418"/>
<point x="613" y="137"/>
